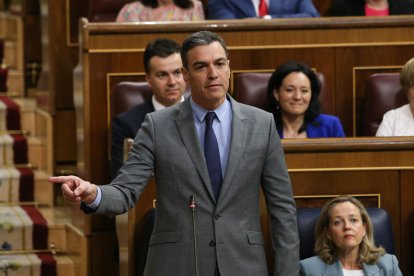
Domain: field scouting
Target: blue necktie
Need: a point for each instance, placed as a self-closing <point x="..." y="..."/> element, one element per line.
<point x="212" y="154"/>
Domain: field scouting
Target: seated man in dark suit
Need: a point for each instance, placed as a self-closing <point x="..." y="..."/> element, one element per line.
<point x="162" y="64"/>
<point x="235" y="9"/>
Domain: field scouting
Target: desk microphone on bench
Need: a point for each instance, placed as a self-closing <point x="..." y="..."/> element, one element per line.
<point x="193" y="206"/>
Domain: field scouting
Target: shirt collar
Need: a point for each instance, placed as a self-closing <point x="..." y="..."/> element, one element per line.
<point x="200" y="112"/>
<point x="158" y="106"/>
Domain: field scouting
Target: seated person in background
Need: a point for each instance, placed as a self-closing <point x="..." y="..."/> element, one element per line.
<point x="400" y="121"/>
<point x="293" y="93"/>
<point x="161" y="10"/>
<point x="370" y="7"/>
<point x="234" y="9"/>
<point x="344" y="243"/>
<point x="162" y="65"/>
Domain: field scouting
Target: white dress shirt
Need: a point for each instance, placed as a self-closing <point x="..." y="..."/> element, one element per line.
<point x="256" y="5"/>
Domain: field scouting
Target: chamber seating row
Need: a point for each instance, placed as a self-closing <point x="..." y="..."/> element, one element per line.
<point x="383" y="92"/>
<point x="107" y="10"/>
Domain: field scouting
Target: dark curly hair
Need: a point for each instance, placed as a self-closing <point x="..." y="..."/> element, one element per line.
<point x="275" y="82"/>
<point x="184" y="4"/>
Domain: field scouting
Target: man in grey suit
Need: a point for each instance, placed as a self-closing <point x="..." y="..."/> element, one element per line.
<point x="170" y="143"/>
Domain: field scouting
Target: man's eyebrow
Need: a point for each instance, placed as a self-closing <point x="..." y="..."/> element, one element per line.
<point x="161" y="72"/>
<point x="198" y="63"/>
<point x="204" y="62"/>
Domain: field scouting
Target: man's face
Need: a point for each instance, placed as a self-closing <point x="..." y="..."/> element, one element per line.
<point x="208" y="74"/>
<point x="165" y="79"/>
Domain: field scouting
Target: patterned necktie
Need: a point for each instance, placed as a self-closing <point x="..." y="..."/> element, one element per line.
<point x="262" y="8"/>
<point x="212" y="155"/>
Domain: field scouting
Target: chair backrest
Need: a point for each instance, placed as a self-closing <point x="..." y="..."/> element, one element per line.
<point x="307" y="218"/>
<point x="126" y="95"/>
<point x="105" y="10"/>
<point x="383" y="92"/>
<point x="251" y="89"/>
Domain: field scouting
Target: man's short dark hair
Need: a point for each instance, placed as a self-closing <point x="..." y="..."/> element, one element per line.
<point x="160" y="47"/>
<point x="198" y="39"/>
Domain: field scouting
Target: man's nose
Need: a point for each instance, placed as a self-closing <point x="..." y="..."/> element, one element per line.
<point x="172" y="80"/>
<point x="212" y="72"/>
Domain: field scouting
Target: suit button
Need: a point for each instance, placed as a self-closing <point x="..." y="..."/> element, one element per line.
<point x="216" y="217"/>
<point x="212" y="243"/>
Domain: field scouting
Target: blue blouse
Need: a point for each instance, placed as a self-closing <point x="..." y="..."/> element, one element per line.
<point x="324" y="126"/>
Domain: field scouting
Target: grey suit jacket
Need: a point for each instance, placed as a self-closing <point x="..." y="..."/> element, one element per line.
<point x="228" y="231"/>
<point x="386" y="265"/>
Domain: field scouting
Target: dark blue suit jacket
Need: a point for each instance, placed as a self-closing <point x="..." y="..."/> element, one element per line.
<point x="126" y="125"/>
<point x="326" y="126"/>
<point x="233" y="9"/>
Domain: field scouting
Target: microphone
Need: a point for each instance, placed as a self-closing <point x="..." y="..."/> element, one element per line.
<point x="192" y="207"/>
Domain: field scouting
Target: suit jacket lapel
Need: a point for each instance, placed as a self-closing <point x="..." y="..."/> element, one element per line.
<point x="186" y="128"/>
<point x="238" y="141"/>
<point x="371" y="270"/>
<point x="334" y="269"/>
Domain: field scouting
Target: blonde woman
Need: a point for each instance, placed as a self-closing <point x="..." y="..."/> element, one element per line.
<point x="344" y="243"/>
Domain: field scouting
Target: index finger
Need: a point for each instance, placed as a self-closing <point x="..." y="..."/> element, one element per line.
<point x="61" y="179"/>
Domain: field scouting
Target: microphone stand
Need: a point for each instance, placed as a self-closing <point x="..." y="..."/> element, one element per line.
<point x="193" y="206"/>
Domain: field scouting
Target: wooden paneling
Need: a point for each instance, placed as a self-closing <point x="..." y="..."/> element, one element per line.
<point x="407" y="220"/>
<point x="75" y="9"/>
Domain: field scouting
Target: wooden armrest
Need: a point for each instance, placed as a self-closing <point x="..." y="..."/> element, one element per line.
<point x="127" y="145"/>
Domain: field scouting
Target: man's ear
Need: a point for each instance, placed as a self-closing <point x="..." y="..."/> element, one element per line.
<point x="147" y="79"/>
